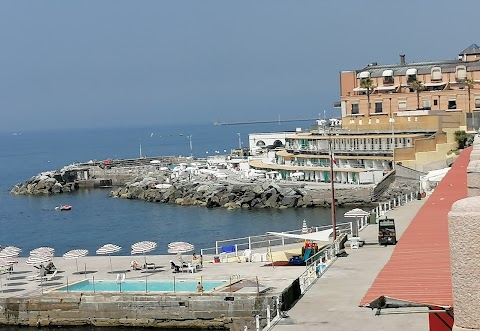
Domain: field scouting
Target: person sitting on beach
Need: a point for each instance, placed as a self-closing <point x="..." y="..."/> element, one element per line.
<point x="199" y="287"/>
<point x="135" y="265"/>
<point x="195" y="258"/>
<point x="174" y="267"/>
<point x="50" y="267"/>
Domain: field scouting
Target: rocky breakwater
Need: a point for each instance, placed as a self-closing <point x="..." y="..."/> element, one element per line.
<point x="244" y="195"/>
<point x="46" y="183"/>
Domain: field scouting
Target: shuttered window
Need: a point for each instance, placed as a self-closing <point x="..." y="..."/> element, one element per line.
<point x="436" y="74"/>
<point x="460" y="73"/>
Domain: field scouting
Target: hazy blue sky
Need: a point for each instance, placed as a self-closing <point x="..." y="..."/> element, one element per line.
<point x="117" y="63"/>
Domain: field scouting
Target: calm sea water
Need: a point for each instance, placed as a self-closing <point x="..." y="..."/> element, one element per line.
<point x="96" y="219"/>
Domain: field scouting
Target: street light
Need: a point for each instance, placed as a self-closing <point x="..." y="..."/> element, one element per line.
<point x="392" y="122"/>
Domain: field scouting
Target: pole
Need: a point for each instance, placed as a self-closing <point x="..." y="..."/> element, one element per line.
<point x="191" y="149"/>
<point x="334" y="219"/>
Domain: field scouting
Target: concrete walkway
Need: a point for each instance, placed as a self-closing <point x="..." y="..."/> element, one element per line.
<point x="332" y="302"/>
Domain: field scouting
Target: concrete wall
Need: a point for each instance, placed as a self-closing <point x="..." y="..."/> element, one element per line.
<point x="464" y="232"/>
<point x="221" y="310"/>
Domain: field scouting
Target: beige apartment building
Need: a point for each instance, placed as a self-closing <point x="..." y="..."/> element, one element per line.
<point x="413" y="96"/>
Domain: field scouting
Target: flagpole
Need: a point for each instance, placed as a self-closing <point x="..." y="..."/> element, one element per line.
<point x="334" y="218"/>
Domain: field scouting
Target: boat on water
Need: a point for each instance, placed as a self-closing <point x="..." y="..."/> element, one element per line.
<point x="64" y="207"/>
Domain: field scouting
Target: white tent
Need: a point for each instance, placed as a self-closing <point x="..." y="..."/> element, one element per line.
<point x="323" y="235"/>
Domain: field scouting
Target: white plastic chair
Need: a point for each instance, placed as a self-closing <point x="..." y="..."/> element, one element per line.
<point x="248" y="255"/>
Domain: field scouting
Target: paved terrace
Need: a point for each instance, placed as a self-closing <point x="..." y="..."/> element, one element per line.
<point x="276" y="278"/>
<point x="332" y="302"/>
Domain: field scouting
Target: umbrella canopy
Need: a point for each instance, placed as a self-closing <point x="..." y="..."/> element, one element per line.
<point x="180" y="247"/>
<point x="304" y="227"/>
<point x="38" y="259"/>
<point x="109" y="249"/>
<point x="75" y="254"/>
<point x="42" y="251"/>
<point x="143" y="247"/>
<point x="357" y="212"/>
<point x="9" y="252"/>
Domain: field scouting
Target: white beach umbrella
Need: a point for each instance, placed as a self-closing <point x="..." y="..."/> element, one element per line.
<point x="357" y="212"/>
<point x="9" y="252"/>
<point x="75" y="254"/>
<point x="42" y="251"/>
<point x="180" y="247"/>
<point x="143" y="247"/>
<point x="304" y="227"/>
<point x="109" y="249"/>
<point x="38" y="259"/>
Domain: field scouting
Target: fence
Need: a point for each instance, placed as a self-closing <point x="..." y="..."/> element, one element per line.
<point x="174" y="284"/>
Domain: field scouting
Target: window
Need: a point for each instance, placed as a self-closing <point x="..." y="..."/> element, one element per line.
<point x="388" y="80"/>
<point x="402" y="104"/>
<point x="436" y="74"/>
<point x="452" y="104"/>
<point x="426" y="104"/>
<point x="355" y="109"/>
<point x="260" y="143"/>
<point x="411" y="75"/>
<point x="460" y="73"/>
<point x="435" y="103"/>
<point x="477" y="102"/>
<point x="378" y="107"/>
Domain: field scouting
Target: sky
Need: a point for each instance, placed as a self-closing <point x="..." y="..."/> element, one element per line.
<point x="115" y="63"/>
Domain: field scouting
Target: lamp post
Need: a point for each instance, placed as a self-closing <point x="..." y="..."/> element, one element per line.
<point x="332" y="187"/>
<point x="392" y="122"/>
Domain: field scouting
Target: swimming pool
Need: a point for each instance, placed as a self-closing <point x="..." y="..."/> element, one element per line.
<point x="141" y="286"/>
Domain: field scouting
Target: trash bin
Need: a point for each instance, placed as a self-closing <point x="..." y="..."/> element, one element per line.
<point x="419" y="196"/>
<point x="373" y="218"/>
<point x="216" y="259"/>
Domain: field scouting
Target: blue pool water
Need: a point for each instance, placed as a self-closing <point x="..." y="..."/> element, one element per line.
<point x="141" y="286"/>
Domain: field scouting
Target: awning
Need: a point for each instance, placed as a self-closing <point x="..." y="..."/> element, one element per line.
<point x="387" y="73"/>
<point x="411" y="71"/>
<point x="434" y="84"/>
<point x="323" y="235"/>
<point x="386" y="88"/>
<point x="363" y="74"/>
<point x="359" y="89"/>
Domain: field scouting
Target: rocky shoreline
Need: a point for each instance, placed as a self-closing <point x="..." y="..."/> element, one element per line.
<point x="229" y="194"/>
<point x="244" y="195"/>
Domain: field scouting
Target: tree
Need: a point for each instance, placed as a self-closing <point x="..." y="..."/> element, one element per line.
<point x="418" y="87"/>
<point x="469" y="82"/>
<point x="367" y="83"/>
<point x="461" y="138"/>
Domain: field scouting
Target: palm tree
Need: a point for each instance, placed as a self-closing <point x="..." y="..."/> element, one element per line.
<point x="367" y="83"/>
<point x="418" y="87"/>
<point x="469" y="82"/>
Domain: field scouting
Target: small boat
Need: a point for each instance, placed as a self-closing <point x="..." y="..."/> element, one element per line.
<point x="65" y="207"/>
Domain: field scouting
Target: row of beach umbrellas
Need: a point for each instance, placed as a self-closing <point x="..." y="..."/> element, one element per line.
<point x="42" y="255"/>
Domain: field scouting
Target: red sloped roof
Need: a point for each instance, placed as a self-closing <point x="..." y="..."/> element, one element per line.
<point x="419" y="268"/>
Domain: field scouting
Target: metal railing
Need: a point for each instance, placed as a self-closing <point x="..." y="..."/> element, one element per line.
<point x="235" y="245"/>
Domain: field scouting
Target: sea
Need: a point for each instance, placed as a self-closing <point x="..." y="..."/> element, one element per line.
<point x="96" y="219"/>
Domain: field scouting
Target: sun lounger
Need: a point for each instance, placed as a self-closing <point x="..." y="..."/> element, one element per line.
<point x="48" y="277"/>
